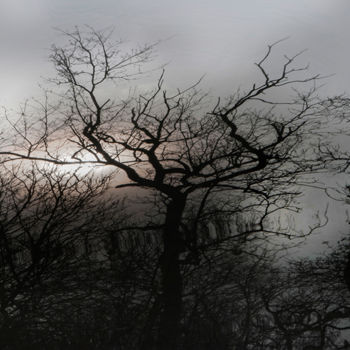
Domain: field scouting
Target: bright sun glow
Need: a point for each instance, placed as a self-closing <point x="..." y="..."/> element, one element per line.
<point x="87" y="165"/>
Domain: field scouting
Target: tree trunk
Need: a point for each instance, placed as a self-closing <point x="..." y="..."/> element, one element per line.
<point x="347" y="272"/>
<point x="170" y="318"/>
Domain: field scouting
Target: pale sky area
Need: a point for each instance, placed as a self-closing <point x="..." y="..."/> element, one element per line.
<point x="220" y="40"/>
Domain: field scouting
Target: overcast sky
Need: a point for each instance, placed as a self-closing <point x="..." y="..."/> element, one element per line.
<point x="220" y="39"/>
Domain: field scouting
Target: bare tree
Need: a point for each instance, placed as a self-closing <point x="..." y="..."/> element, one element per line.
<point x="43" y="228"/>
<point x="308" y="303"/>
<point x="260" y="301"/>
<point x="56" y="293"/>
<point x="249" y="146"/>
<point x="264" y="302"/>
<point x="65" y="264"/>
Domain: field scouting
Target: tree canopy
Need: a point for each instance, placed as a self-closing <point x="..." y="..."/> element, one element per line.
<point x="216" y="174"/>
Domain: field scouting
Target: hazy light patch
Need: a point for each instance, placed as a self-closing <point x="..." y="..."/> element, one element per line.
<point x="80" y="169"/>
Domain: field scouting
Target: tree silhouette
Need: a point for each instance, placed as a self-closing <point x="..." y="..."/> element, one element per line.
<point x="78" y="271"/>
<point x="42" y="236"/>
<point x="245" y="152"/>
